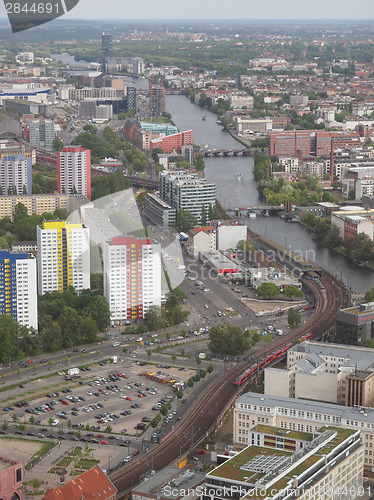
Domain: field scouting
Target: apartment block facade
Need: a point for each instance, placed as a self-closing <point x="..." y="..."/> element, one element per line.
<point x="173" y="142"/>
<point x="186" y="191"/>
<point x="132" y="277"/>
<point x="15" y="175"/>
<point x="63" y="256"/>
<point x="18" y="287"/>
<point x="74" y="171"/>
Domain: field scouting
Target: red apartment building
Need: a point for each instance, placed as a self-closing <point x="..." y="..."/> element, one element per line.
<point x="74" y="171"/>
<point x="173" y="142"/>
<point x="11" y="477"/>
<point x="310" y="142"/>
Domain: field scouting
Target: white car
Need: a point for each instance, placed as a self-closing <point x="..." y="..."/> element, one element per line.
<point x="140" y="339"/>
<point x="55" y="422"/>
<point x="116" y="344"/>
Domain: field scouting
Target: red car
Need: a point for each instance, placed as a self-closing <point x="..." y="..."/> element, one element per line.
<point x="128" y="398"/>
<point x="135" y="452"/>
<point x="100" y="436"/>
<point x="140" y="396"/>
<point x="103" y="441"/>
<point x="29" y="361"/>
<point x="64" y="402"/>
<point x="202" y="452"/>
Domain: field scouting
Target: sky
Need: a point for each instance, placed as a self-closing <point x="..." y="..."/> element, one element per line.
<point x="223" y="9"/>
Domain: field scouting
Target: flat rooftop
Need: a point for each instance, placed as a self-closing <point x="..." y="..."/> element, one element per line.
<point x="176" y="478"/>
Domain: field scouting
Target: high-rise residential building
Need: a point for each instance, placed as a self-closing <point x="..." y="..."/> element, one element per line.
<point x="18" y="291"/>
<point x="42" y="133"/>
<point x="130" y="98"/>
<point x="186" y="191"/>
<point x="132" y="277"/>
<point x="157" y="104"/>
<point x="106" y="47"/>
<point x="74" y="171"/>
<point x="15" y="175"/>
<point x="63" y="256"/>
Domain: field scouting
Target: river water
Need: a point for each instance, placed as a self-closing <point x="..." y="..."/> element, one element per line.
<point x="233" y="193"/>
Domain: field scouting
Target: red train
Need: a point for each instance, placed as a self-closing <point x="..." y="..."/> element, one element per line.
<point x="266" y="361"/>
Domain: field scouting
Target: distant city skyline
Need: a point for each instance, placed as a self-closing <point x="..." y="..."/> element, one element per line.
<point x="237" y="9"/>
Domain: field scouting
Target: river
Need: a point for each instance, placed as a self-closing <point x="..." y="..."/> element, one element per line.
<point x="233" y="193"/>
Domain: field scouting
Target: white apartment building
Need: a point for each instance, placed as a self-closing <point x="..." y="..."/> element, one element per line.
<point x="246" y="124"/>
<point x="132" y="277"/>
<point x="241" y="100"/>
<point x="253" y="409"/>
<point x="74" y="171"/>
<point x="63" y="256"/>
<point x="229" y="233"/>
<point x="290" y="163"/>
<point x="15" y="175"/>
<point x="18" y="295"/>
<point x="187" y="192"/>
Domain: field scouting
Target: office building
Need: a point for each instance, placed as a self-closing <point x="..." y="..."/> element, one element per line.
<point x="15" y="175"/>
<point x="354" y="325"/>
<point x="173" y="142"/>
<point x="42" y="133"/>
<point x="131" y="65"/>
<point x="18" y="291"/>
<point x="63" y="256"/>
<point x="89" y="109"/>
<point x="246" y="124"/>
<point x="132" y="277"/>
<point x="11" y="479"/>
<point x="325" y="372"/>
<point x="106" y="48"/>
<point x="74" y="171"/>
<point x="187" y="192"/>
<point x="284" y="465"/>
<point x="229" y="233"/>
<point x="157" y="104"/>
<point x="306" y="143"/>
<point x="300" y="415"/>
<point x="158" y="211"/>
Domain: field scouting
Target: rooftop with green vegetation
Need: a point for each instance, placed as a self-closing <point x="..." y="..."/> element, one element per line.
<point x="234" y="469"/>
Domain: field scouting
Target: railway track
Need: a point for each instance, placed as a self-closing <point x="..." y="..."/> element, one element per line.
<point x="201" y="417"/>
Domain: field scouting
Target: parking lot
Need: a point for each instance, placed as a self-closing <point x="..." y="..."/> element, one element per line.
<point x="113" y="398"/>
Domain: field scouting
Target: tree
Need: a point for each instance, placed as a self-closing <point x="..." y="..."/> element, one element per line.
<point x="210" y="368"/>
<point x="50" y="421"/>
<point x="292" y="291"/>
<point x="198" y="360"/>
<point x="204" y="218"/>
<point x="185" y="220"/>
<point x="98" y="310"/>
<point x="78" y="434"/>
<point x="351" y="194"/>
<point x="227" y="339"/>
<point x="108" y="429"/>
<point x="190" y="382"/>
<point x="180" y="394"/>
<point x="125" y="350"/>
<point x="369" y="296"/>
<point x="5" y="425"/>
<point x="36" y="483"/>
<point x="154" y="423"/>
<point x="153" y="319"/>
<point x="164" y="410"/>
<point x="149" y="352"/>
<point x="14" y="418"/>
<point x="156" y="152"/>
<point x="70" y="327"/>
<point x="68" y="423"/>
<point x="294" y="317"/>
<point x="57" y="144"/>
<point x="168" y="336"/>
<point x="267" y="291"/>
<point x="199" y="162"/>
<point x="32" y="420"/>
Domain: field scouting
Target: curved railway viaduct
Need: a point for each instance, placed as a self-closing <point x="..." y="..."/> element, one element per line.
<point x="201" y="417"/>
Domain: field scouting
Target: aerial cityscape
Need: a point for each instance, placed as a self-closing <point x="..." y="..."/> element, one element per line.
<point x="187" y="252"/>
